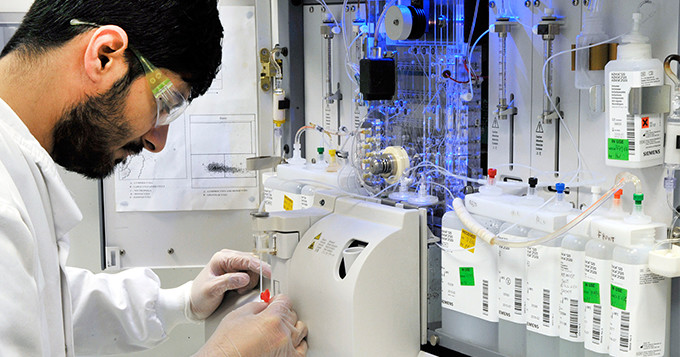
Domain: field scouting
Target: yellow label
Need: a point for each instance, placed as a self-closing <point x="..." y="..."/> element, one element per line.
<point x="467" y="240"/>
<point x="311" y="246"/>
<point x="318" y="237"/>
<point x="287" y="203"/>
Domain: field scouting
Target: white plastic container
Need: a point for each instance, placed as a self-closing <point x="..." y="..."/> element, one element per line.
<point x="469" y="284"/>
<point x="543" y="296"/>
<point x="633" y="141"/>
<point x="282" y="195"/>
<point x="597" y="309"/>
<point x="572" y="259"/>
<point x="640" y="322"/>
<point x="307" y="196"/>
<point x="511" y="296"/>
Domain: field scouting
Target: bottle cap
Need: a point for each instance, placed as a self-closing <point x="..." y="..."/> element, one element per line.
<point x="319" y="150"/>
<point x="618" y="194"/>
<point x="492" y="173"/>
<point x="638" y="197"/>
<point x="559" y="187"/>
<point x="533" y="181"/>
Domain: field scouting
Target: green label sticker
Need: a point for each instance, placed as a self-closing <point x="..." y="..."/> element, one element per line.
<point x="617" y="149"/>
<point x="467" y="276"/>
<point x="619" y="297"/>
<point x="591" y="292"/>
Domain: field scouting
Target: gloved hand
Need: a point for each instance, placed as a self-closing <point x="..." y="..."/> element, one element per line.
<point x="227" y="270"/>
<point x="259" y="330"/>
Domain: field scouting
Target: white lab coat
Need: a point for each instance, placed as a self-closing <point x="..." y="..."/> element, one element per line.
<point x="46" y="308"/>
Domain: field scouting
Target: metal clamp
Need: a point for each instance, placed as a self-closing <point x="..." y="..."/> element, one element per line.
<point x="548" y="28"/>
<point x="646" y="100"/>
<point x="503" y="26"/>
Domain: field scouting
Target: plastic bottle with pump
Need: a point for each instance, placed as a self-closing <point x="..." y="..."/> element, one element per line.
<point x="469" y="283"/>
<point x="640" y="299"/>
<point x="543" y="287"/>
<point x="512" y="276"/>
<point x="572" y="259"/>
<point x="593" y="32"/>
<point x="633" y="141"/>
<point x="596" y="281"/>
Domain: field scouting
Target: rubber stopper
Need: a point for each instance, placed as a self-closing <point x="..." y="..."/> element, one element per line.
<point x="492" y="173"/>
<point x="559" y="187"/>
<point x="319" y="150"/>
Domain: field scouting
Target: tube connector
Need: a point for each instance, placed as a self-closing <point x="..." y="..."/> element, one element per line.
<point x="638" y="215"/>
<point x="490" y="188"/>
<point x="560" y="204"/>
<point x="297" y="158"/>
<point x="627" y="177"/>
<point x="532" y="199"/>
<point x="423" y="198"/>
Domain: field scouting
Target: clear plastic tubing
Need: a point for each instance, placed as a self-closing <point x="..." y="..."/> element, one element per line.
<point x="278" y="133"/>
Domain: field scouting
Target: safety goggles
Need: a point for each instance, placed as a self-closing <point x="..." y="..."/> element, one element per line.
<point x="170" y="103"/>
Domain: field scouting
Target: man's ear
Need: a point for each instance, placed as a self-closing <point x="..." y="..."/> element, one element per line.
<point x="105" y="54"/>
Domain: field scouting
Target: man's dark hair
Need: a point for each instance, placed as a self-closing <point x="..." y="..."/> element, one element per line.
<point x="183" y="36"/>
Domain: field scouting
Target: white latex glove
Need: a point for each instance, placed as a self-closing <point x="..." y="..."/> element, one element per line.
<point x="227" y="270"/>
<point x="259" y="330"/>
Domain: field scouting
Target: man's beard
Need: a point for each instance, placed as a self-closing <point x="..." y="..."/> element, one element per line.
<point x="86" y="136"/>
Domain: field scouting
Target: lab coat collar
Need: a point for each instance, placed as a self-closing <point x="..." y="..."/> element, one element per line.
<point x="64" y="209"/>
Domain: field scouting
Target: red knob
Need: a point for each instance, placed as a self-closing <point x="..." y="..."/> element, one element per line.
<point x="265" y="296"/>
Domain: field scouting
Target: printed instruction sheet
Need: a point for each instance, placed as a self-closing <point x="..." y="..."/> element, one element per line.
<point x="202" y="166"/>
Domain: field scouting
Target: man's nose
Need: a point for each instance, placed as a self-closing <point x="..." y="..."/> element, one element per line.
<point x="154" y="140"/>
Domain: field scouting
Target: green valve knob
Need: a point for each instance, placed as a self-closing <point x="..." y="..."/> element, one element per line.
<point x="638" y="197"/>
<point x="319" y="150"/>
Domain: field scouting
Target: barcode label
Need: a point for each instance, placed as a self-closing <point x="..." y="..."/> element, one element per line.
<point x="624" y="343"/>
<point x="573" y="318"/>
<point x="630" y="134"/>
<point x="485" y="295"/>
<point x="546" y="306"/>
<point x="597" y="321"/>
<point x="518" y="296"/>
